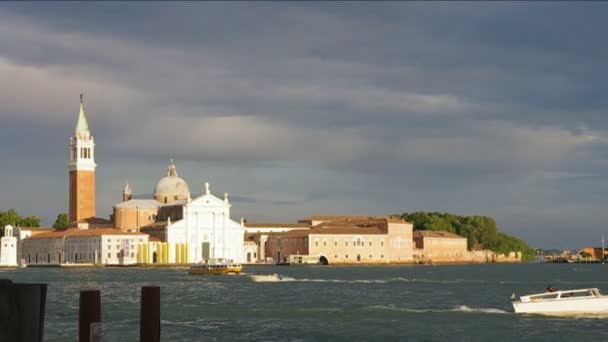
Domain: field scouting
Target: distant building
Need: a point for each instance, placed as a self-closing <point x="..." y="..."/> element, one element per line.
<point x="203" y="225"/>
<point x="440" y="246"/>
<point x="8" y="247"/>
<point x="595" y="252"/>
<point x="87" y="239"/>
<point x="107" y="246"/>
<point x="365" y="240"/>
<point x="81" y="170"/>
<point x="188" y="230"/>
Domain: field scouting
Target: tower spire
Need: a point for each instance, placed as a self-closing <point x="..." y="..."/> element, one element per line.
<point x="82" y="125"/>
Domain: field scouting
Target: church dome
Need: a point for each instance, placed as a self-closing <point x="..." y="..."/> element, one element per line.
<point x="171" y="187"/>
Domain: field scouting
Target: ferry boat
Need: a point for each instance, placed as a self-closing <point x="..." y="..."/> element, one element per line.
<point x="556" y="302"/>
<point x="219" y="266"/>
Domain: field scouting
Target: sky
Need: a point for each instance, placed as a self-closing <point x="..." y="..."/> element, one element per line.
<point x="302" y="108"/>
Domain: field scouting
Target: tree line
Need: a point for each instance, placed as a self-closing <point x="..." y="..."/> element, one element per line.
<point x="477" y="230"/>
<point x="12" y="217"/>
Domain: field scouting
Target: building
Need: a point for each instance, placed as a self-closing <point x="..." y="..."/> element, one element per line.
<point x="439" y="246"/>
<point x="256" y="235"/>
<point x="88" y="239"/>
<point x="107" y="246"/>
<point x="169" y="192"/>
<point x="8" y="248"/>
<point x="203" y="225"/>
<point x="351" y="240"/>
<point x="81" y="170"/>
<point x="594" y="253"/>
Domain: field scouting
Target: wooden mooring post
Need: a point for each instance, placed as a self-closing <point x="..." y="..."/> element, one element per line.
<point x="89" y="317"/>
<point x="22" y="308"/>
<point x="149" y="324"/>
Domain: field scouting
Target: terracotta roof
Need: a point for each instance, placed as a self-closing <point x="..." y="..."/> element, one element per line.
<point x="53" y="234"/>
<point x="349" y="231"/>
<point x="276" y="225"/>
<point x="341" y="217"/>
<point x="103" y="231"/>
<point x="82" y="232"/>
<point x="350" y="218"/>
<point x="153" y="238"/>
<point x="94" y="220"/>
<point x="436" y="234"/>
<point x="37" y="229"/>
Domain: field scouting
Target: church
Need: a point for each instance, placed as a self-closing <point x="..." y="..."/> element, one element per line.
<point x="182" y="229"/>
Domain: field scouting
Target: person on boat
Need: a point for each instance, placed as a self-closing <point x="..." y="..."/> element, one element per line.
<point x="551" y="289"/>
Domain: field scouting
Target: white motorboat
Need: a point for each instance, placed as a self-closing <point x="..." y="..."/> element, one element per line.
<point x="563" y="302"/>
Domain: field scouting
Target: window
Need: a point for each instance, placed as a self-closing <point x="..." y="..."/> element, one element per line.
<point x="118" y="255"/>
<point x="370" y="256"/>
<point x="370" y="243"/>
<point x="324" y="243"/>
<point x="109" y="255"/>
<point x="382" y="243"/>
<point x="382" y="256"/>
<point x="336" y="256"/>
<point x="346" y="243"/>
<point x="346" y="256"/>
<point x="316" y="243"/>
<point x="131" y="254"/>
<point x="109" y="246"/>
<point x="336" y="244"/>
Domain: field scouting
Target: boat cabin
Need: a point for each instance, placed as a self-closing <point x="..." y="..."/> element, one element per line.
<point x="582" y="293"/>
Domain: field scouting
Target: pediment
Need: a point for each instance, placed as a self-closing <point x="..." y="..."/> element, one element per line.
<point x="208" y="200"/>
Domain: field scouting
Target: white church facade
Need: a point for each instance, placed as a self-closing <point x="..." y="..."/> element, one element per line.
<point x="198" y="230"/>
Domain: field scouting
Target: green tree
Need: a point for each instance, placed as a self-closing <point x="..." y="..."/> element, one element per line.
<point x="61" y="222"/>
<point x="13" y="218"/>
<point x="477" y="229"/>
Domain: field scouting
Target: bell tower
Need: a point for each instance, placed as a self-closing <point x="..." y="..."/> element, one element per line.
<point x="82" y="170"/>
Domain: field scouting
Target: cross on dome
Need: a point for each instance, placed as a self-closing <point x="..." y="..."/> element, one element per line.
<point x="171" y="169"/>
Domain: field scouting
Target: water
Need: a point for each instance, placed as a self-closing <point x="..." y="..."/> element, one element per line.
<point x="381" y="303"/>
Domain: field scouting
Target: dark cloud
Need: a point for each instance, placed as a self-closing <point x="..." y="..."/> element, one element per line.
<point x="308" y="107"/>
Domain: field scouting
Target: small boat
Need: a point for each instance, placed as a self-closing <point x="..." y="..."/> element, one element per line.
<point x="215" y="267"/>
<point x="563" y="302"/>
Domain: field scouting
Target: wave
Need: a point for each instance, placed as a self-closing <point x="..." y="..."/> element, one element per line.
<point x="273" y="278"/>
<point x="460" y="308"/>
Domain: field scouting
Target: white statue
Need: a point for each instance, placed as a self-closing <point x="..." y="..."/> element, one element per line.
<point x="207" y="191"/>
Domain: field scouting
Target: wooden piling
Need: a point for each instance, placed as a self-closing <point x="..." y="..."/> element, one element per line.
<point x="90" y="312"/>
<point x="22" y="309"/>
<point x="149" y="324"/>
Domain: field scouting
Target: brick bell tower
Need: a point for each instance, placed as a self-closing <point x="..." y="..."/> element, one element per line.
<point x="82" y="169"/>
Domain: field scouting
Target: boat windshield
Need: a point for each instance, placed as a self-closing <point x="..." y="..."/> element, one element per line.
<point x="588" y="293"/>
<point x="544" y="296"/>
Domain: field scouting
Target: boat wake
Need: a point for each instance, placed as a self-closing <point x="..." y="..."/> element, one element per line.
<point x="272" y="278"/>
<point x="460" y="308"/>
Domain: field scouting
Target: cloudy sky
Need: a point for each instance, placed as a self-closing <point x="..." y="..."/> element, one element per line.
<point x="296" y="109"/>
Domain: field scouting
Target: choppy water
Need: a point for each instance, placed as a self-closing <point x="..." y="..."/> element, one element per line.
<point x="382" y="303"/>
